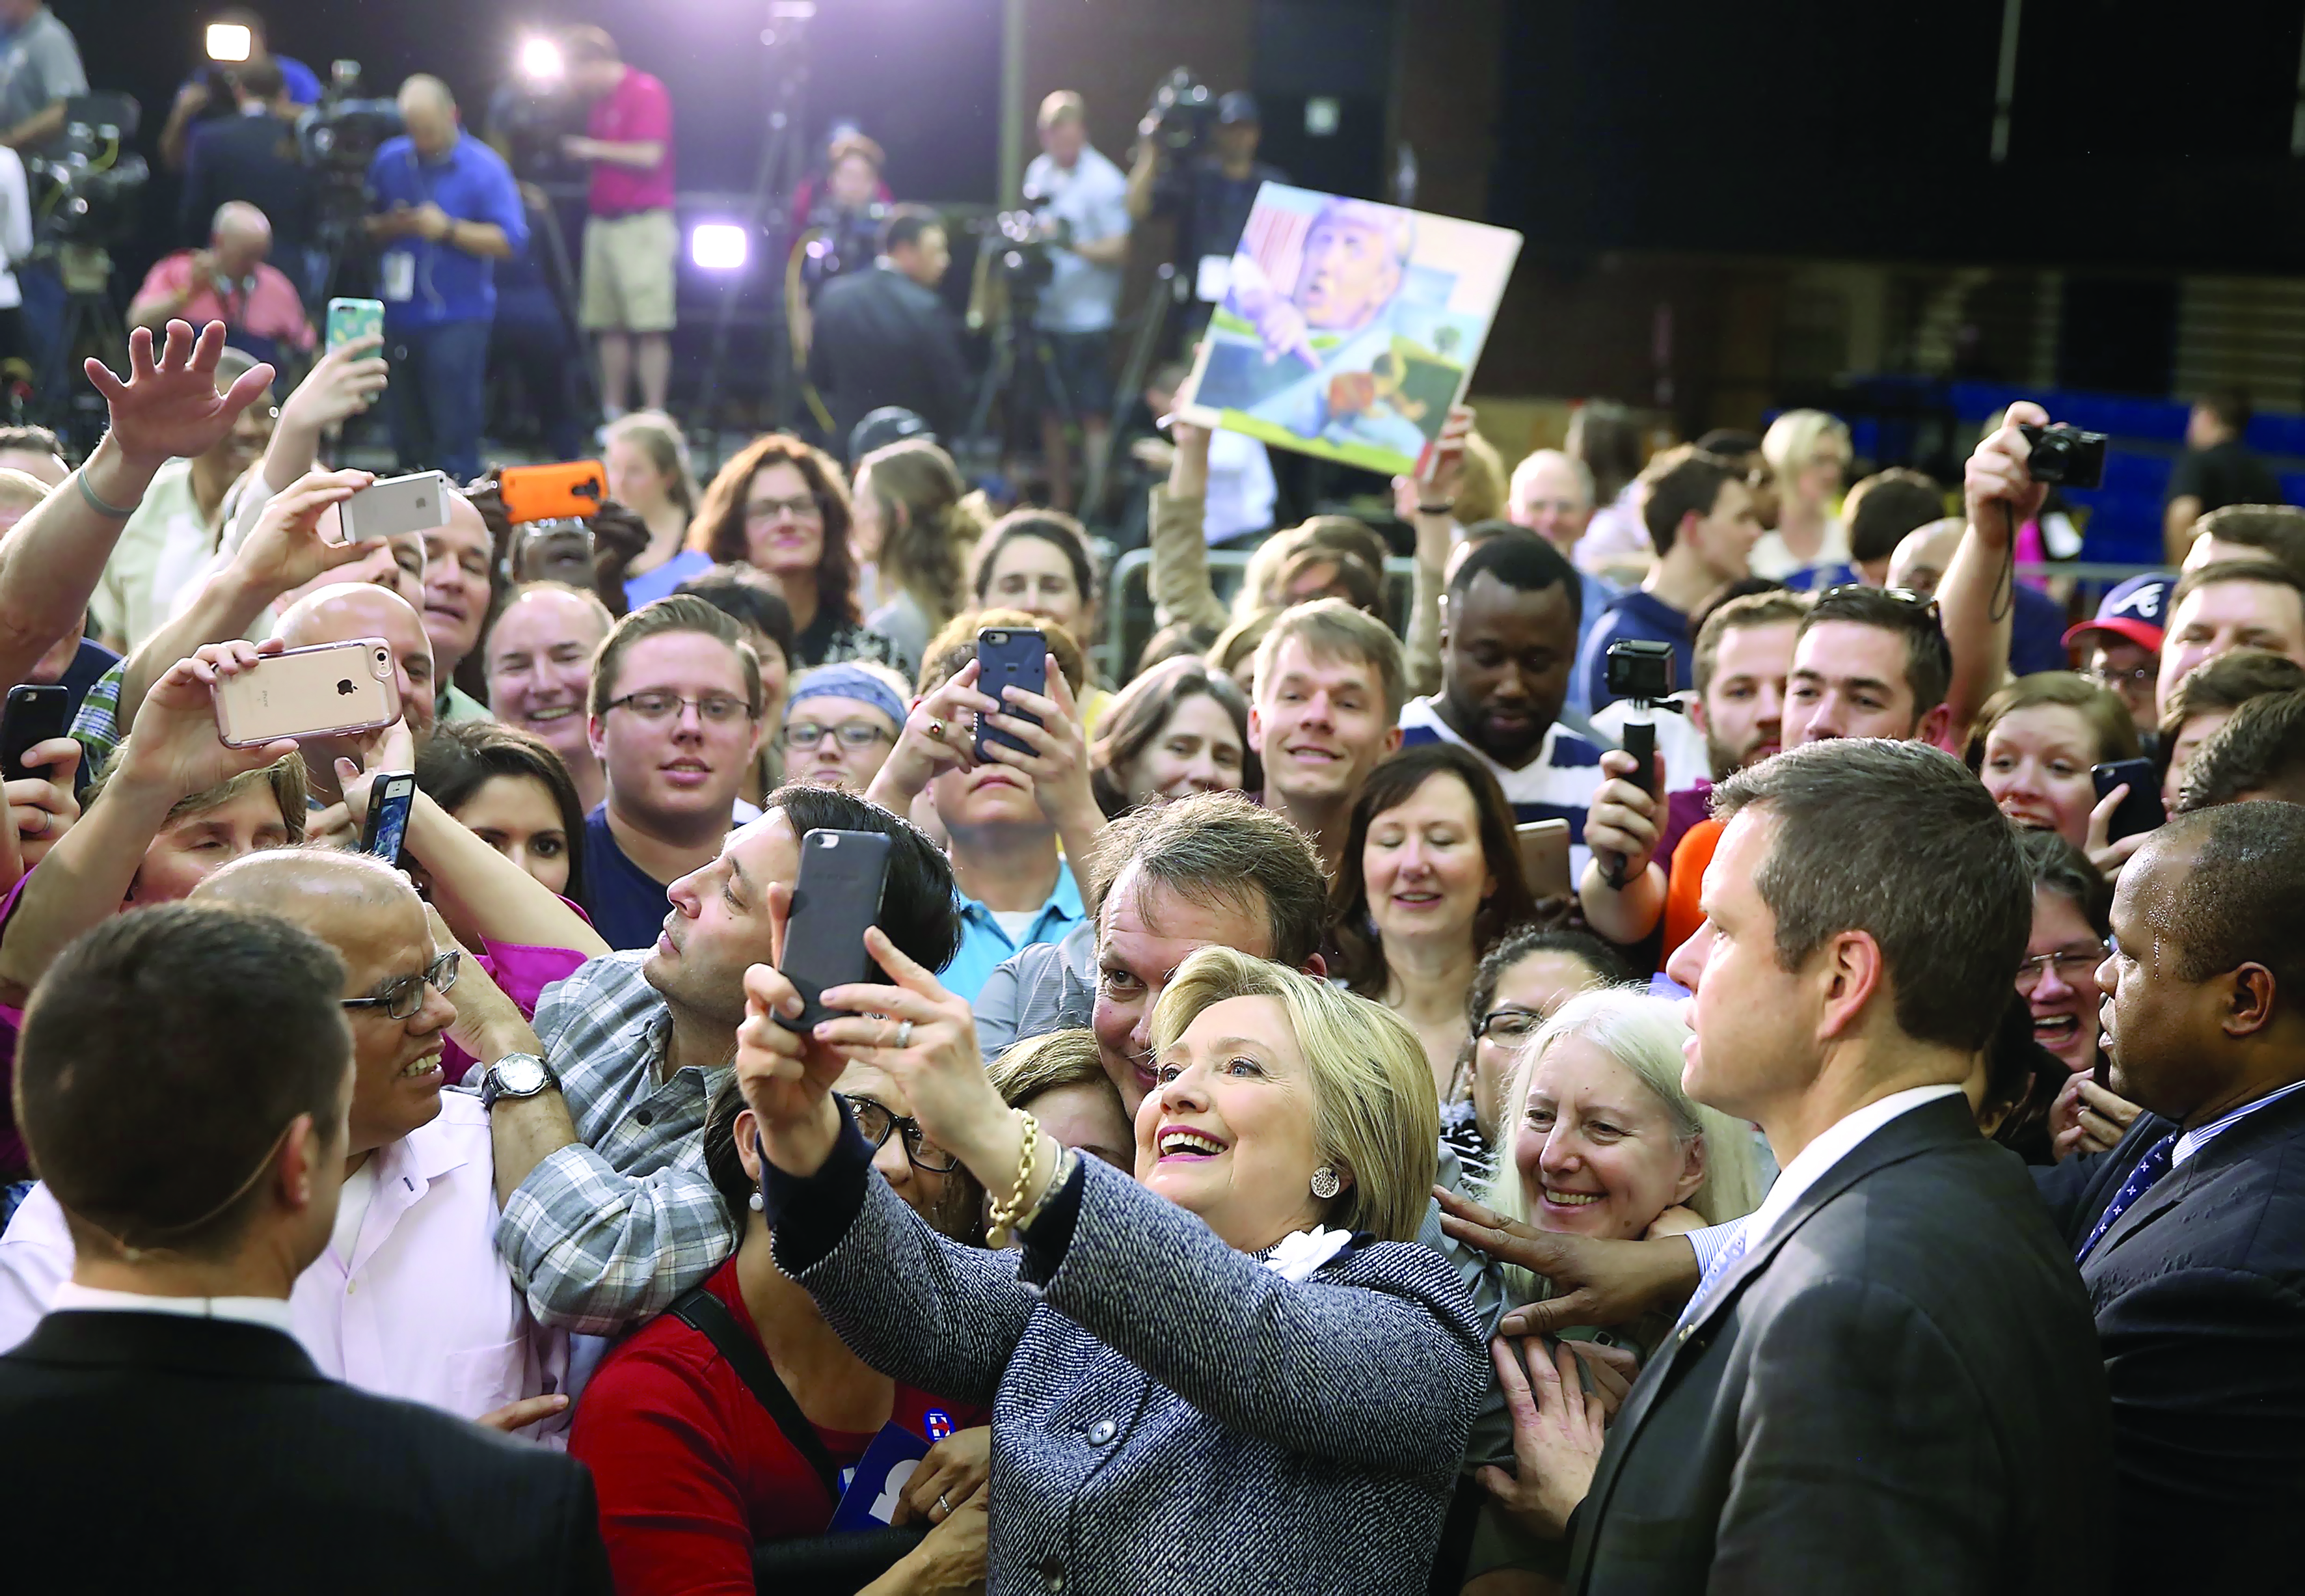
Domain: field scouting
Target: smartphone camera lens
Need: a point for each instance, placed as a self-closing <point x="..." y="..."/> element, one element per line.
<point x="380" y="661"/>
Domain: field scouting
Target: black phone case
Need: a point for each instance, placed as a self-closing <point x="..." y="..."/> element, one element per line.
<point x="2141" y="810"/>
<point x="836" y="898"/>
<point x="1021" y="660"/>
<point x="33" y="715"/>
<point x="394" y="790"/>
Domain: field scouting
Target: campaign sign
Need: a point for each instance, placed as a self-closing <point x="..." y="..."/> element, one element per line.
<point x="878" y="1483"/>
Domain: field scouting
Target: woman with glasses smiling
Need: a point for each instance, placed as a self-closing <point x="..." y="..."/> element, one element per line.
<point x="841" y="723"/>
<point x="1523" y="979"/>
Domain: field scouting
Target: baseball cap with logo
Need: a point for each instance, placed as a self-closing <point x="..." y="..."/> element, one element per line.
<point x="2137" y="612"/>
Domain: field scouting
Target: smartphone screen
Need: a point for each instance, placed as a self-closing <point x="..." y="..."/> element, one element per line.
<point x="390" y="798"/>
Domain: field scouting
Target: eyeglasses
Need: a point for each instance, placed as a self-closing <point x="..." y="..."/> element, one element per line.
<point x="2074" y="967"/>
<point x="876" y="1122"/>
<point x="1508" y="1024"/>
<point x="404" y="996"/>
<point x="714" y="709"/>
<point x="808" y="506"/>
<point x="852" y="734"/>
<point x="2136" y="676"/>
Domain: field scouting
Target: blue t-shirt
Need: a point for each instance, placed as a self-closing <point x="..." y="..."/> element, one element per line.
<point x="985" y="943"/>
<point x="1637" y="615"/>
<point x="651" y="586"/>
<point x="426" y="283"/>
<point x="626" y="903"/>
<point x="302" y="82"/>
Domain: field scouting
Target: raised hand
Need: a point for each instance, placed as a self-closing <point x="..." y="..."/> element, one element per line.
<point x="173" y="746"/>
<point x="168" y="406"/>
<point x="342" y="384"/>
<point x="285" y="549"/>
<point x="1998" y="486"/>
<point x="925" y="1037"/>
<point x="2109" y="856"/>
<point x="937" y="736"/>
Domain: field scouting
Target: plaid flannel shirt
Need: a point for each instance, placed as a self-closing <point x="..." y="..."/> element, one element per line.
<point x="605" y="1232"/>
<point x="97" y="726"/>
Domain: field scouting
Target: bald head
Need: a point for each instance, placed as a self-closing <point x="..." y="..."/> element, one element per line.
<point x="334" y="894"/>
<point x="240" y="237"/>
<point x="1919" y="563"/>
<point x="429" y="112"/>
<point x="351" y="611"/>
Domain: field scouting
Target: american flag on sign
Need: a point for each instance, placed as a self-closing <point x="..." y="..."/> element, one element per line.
<point x="1275" y="241"/>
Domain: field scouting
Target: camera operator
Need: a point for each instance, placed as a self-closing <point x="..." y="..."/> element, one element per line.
<point x="213" y="93"/>
<point x="447" y="210"/>
<point x="231" y="282"/>
<point x="883" y="336"/>
<point x="40" y="71"/>
<point x="630" y="239"/>
<point x="1082" y="202"/>
<point x="1209" y="193"/>
<point x="252" y="157"/>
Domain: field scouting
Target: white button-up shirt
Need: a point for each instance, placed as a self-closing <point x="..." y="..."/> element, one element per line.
<point x="423" y="1310"/>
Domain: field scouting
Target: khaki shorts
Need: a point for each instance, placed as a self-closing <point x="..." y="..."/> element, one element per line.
<point x="628" y="263"/>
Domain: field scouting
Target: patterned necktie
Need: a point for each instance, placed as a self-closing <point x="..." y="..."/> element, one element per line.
<point x="1723" y="1262"/>
<point x="2150" y="1169"/>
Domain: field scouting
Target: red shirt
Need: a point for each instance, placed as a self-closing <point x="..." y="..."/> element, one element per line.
<point x="691" y="1470"/>
<point x="636" y="111"/>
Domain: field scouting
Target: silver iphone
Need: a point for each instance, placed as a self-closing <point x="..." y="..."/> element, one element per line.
<point x="418" y="502"/>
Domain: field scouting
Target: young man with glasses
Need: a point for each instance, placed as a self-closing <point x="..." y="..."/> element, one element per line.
<point x="409" y="1298"/>
<point x="841" y="723"/>
<point x="675" y="723"/>
<point x="2123" y="646"/>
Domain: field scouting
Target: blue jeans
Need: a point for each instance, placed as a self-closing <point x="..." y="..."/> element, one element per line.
<point x="436" y="395"/>
<point x="43" y="325"/>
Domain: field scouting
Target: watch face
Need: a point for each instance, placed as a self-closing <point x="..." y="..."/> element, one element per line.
<point x="519" y="1074"/>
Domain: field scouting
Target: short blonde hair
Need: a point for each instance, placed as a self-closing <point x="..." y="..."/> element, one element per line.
<point x="1644" y="1034"/>
<point x="1065" y="104"/>
<point x="1793" y="437"/>
<point x="1047" y="1062"/>
<point x="1482" y="493"/>
<point x="285" y="776"/>
<point x="1330" y="628"/>
<point x="1375" y="1114"/>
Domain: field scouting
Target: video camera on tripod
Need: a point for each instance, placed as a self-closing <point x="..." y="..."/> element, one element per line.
<point x="87" y="196"/>
<point x="340" y="135"/>
<point x="1182" y="114"/>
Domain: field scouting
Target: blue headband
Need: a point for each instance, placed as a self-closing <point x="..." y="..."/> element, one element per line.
<point x="845" y="681"/>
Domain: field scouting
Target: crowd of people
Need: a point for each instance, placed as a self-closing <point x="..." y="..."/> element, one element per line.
<point x="1321" y="1112"/>
<point x="1316" y="1097"/>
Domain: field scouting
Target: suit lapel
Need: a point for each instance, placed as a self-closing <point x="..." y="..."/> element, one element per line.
<point x="2238" y="1142"/>
<point x="1934" y="1125"/>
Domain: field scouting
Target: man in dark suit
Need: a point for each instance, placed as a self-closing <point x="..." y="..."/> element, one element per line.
<point x="884" y="337"/>
<point x="1887" y="1380"/>
<point x="2191" y="1233"/>
<point x="253" y="157"/>
<point x="182" y="1080"/>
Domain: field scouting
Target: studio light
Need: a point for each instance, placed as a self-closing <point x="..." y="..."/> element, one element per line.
<point x="717" y="247"/>
<point x="541" y="61"/>
<point x="230" y="41"/>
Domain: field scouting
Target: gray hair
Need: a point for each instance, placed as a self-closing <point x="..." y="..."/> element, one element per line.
<point x="1644" y="1034"/>
<point x="1537" y="460"/>
<point x="1896" y="839"/>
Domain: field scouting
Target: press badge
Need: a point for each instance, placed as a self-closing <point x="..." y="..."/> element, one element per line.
<point x="397" y="277"/>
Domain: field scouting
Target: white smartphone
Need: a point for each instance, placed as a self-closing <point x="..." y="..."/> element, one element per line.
<point x="417" y="503"/>
<point x="327" y="690"/>
<point x="1545" y="856"/>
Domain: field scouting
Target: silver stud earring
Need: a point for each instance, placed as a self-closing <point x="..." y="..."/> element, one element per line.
<point x="1325" y="1184"/>
<point x="755" y="1204"/>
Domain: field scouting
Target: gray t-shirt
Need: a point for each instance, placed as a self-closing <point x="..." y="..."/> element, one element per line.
<point x="39" y="64"/>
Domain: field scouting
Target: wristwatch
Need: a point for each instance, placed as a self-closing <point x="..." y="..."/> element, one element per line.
<point x="516" y="1075"/>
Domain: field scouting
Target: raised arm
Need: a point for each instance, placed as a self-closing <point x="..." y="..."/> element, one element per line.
<point x="1428" y="504"/>
<point x="1181" y="589"/>
<point x="174" y="754"/>
<point x="1975" y="599"/>
<point x="51" y="560"/>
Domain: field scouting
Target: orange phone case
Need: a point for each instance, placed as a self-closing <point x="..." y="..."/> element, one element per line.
<point x="571" y="488"/>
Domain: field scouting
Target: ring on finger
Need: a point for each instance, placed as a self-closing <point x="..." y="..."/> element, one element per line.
<point x="936" y="730"/>
<point x="40" y="830"/>
<point x="945" y="1505"/>
<point x="905" y="1034"/>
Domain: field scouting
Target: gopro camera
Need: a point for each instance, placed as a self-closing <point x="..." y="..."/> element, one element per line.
<point x="1640" y="669"/>
<point x="2065" y="457"/>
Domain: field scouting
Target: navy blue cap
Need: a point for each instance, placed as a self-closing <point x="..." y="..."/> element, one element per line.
<point x="1240" y="105"/>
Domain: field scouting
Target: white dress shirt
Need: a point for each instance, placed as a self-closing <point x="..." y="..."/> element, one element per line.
<point x="424" y="1311"/>
<point x="271" y="1312"/>
<point x="1834" y="1143"/>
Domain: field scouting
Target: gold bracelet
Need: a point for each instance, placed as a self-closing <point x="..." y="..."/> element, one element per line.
<point x="1004" y="1215"/>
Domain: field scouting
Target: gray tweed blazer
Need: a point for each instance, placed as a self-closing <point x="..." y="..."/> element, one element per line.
<point x="1169" y="1414"/>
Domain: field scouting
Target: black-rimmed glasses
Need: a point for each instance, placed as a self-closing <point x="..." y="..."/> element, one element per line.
<point x="1508" y="1025"/>
<point x="404" y="996"/>
<point x="876" y="1121"/>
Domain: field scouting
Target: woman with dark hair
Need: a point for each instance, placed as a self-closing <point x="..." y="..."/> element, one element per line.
<point x="1431" y="879"/>
<point x="1178" y="728"/>
<point x="782" y="506"/>
<point x="1040" y="561"/>
<point x="913" y="526"/>
<point x="511" y="791"/>
<point x="695" y="1470"/>
<point x="1521" y="981"/>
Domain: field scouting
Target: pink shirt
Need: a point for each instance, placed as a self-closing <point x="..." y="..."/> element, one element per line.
<point x="524" y="973"/>
<point x="265" y="303"/>
<point x="636" y="111"/>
